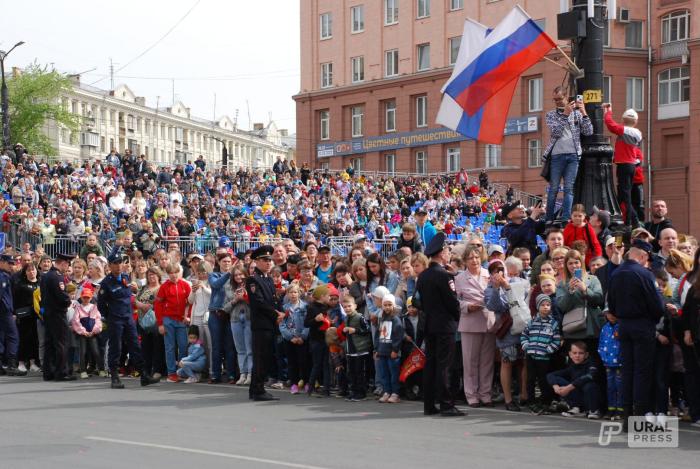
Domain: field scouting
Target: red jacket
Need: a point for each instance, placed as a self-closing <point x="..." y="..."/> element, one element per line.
<point x="584" y="233"/>
<point x="171" y="300"/>
<point x="628" y="139"/>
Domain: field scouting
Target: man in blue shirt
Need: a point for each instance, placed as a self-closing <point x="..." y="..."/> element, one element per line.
<point x="425" y="229"/>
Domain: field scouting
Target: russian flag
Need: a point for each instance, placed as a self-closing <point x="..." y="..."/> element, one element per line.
<point x="493" y="113"/>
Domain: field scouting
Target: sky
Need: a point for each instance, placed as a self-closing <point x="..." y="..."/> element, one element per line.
<point x="246" y="52"/>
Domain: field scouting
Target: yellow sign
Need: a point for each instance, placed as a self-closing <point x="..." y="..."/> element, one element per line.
<point x="592" y="96"/>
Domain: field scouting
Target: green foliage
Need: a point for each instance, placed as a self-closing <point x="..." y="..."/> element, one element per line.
<point x="34" y="97"/>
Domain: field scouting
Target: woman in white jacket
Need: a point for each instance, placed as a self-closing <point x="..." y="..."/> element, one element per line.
<point x="198" y="314"/>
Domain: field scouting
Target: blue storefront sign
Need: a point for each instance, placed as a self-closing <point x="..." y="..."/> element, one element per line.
<point x="419" y="138"/>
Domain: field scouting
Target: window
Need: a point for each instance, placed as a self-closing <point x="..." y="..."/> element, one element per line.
<point x="675" y="26"/>
<point x="358" y="69"/>
<point x="390" y="115"/>
<point x="326" y="26"/>
<point x="454" y="48"/>
<point x="358" y="114"/>
<point x="421" y="162"/>
<point x="607" y="90"/>
<point x="130" y="122"/>
<point x="391" y="63"/>
<point x="103" y="144"/>
<point x="456" y="5"/>
<point x="325" y="120"/>
<point x="423" y="52"/>
<point x="391" y="12"/>
<point x="633" y="35"/>
<point x="357" y="165"/>
<point x="452" y="160"/>
<point x="421" y="111"/>
<point x="635" y="94"/>
<point x="493" y="156"/>
<point x="534" y="94"/>
<point x="390" y="163"/>
<point x="606" y="34"/>
<point x="423" y="8"/>
<point x="534" y="153"/>
<point x="327" y="75"/>
<point x="357" y="19"/>
<point x="674" y="86"/>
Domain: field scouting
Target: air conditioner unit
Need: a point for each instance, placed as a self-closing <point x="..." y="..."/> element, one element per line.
<point x="623" y="15"/>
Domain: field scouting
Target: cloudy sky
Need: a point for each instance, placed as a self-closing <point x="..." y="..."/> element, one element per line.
<point x="244" y="51"/>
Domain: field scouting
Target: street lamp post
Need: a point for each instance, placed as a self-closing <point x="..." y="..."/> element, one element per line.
<point x="5" y="100"/>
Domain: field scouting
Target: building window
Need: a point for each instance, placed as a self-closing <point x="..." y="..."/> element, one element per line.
<point x="607" y="83"/>
<point x="493" y="156"/>
<point x="103" y="144"/>
<point x="391" y="12"/>
<point x="421" y="162"/>
<point x="674" y="86"/>
<point x="423" y="52"/>
<point x="327" y="75"/>
<point x="390" y="163"/>
<point x="606" y="34"/>
<point x="130" y="122"/>
<point x="357" y="165"/>
<point x="534" y="153"/>
<point x="421" y="111"/>
<point x="325" y="121"/>
<point x="423" y="8"/>
<point x="326" y="26"/>
<point x="635" y="94"/>
<point x="456" y="5"/>
<point x="392" y="63"/>
<point x="390" y="115"/>
<point x="675" y="26"/>
<point x="358" y="114"/>
<point x="357" y="19"/>
<point x="453" y="160"/>
<point x="633" y="35"/>
<point x="534" y="93"/>
<point x="454" y="48"/>
<point x="358" y="69"/>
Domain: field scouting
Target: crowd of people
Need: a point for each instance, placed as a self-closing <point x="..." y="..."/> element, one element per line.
<point x="589" y="325"/>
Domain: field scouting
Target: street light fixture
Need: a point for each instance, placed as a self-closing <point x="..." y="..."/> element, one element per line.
<point x="5" y="104"/>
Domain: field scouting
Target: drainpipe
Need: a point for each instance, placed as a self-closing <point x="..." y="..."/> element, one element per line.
<point x="649" y="112"/>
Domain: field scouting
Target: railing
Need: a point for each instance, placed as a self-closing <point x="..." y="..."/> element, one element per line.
<point x="674" y="49"/>
<point x="52" y="245"/>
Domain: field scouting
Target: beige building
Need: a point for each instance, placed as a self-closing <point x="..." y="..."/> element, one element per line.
<point x="120" y="119"/>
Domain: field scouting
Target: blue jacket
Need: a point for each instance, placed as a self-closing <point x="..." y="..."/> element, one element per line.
<point x="293" y="323"/>
<point x="632" y="294"/>
<point x="114" y="299"/>
<point x="609" y="345"/>
<point x="541" y="337"/>
<point x="217" y="280"/>
<point x="426" y="232"/>
<point x="196" y="357"/>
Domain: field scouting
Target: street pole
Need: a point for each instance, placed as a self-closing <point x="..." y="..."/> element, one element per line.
<point x="594" y="182"/>
<point x="5" y="104"/>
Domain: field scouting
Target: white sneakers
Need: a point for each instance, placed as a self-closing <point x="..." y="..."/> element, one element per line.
<point x="389" y="398"/>
<point x="385" y="398"/>
<point x="33" y="368"/>
<point x="191" y="380"/>
<point x="21" y="367"/>
<point x="573" y="412"/>
<point x="241" y="379"/>
<point x="83" y="375"/>
<point x="248" y="380"/>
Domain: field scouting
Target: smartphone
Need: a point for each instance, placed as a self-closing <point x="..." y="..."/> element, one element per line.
<point x="579" y="98"/>
<point x="618" y="241"/>
<point x="578" y="273"/>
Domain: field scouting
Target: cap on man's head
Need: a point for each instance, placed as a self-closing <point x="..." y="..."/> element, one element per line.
<point x="507" y="208"/>
<point x="116" y="257"/>
<point x="642" y="245"/>
<point x="609" y="240"/>
<point x="494" y="248"/>
<point x="421" y="211"/>
<point x="324" y="248"/>
<point x="62" y="256"/>
<point x="8" y="258"/>
<point x="436" y="245"/>
<point x="603" y="216"/>
<point x="630" y="114"/>
<point x="263" y="252"/>
<point x="641" y="232"/>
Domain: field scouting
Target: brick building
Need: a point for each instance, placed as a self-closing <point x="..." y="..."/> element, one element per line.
<point x="371" y="73"/>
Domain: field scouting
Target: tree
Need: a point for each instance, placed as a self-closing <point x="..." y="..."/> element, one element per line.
<point x="35" y="99"/>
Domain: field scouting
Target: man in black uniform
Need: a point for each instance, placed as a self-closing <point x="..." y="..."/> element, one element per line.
<point x="114" y="303"/>
<point x="9" y="337"/>
<point x="437" y="298"/>
<point x="54" y="307"/>
<point x="264" y="317"/>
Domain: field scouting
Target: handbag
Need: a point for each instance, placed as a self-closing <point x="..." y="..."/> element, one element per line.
<point x="24" y="312"/>
<point x="518" y="308"/>
<point x="546" y="172"/>
<point x="147" y="321"/>
<point x="502" y="326"/>
<point x="575" y="320"/>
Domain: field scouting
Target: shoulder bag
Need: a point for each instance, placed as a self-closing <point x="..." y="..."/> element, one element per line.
<point x="575" y="320"/>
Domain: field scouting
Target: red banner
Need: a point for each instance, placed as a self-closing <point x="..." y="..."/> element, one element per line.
<point x="414" y="362"/>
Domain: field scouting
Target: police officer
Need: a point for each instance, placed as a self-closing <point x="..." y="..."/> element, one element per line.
<point x="114" y="303"/>
<point x="634" y="299"/>
<point x="437" y="297"/>
<point x="264" y="318"/>
<point x="9" y="337"/>
<point x="54" y="307"/>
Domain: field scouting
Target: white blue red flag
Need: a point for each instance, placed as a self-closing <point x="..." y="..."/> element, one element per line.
<point x="478" y="94"/>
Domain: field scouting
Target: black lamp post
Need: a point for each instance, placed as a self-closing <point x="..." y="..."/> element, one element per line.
<point x="5" y="103"/>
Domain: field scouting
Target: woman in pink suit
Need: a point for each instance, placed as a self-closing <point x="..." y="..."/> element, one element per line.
<point x="478" y="344"/>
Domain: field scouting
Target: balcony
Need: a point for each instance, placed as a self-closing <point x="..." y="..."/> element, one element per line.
<point x="674" y="49"/>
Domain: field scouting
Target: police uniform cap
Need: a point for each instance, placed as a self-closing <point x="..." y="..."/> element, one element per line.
<point x="643" y="245"/>
<point x="7" y="258"/>
<point x="116" y="257"/>
<point x="436" y="244"/>
<point x="62" y="256"/>
<point x="263" y="252"/>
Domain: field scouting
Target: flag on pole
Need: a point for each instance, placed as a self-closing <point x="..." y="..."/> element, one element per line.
<point x="415" y="361"/>
<point x="512" y="47"/>
<point x="493" y="113"/>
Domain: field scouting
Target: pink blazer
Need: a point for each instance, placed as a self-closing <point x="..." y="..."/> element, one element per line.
<point x="470" y="290"/>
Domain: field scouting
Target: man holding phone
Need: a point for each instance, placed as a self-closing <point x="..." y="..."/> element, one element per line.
<point x="566" y="125"/>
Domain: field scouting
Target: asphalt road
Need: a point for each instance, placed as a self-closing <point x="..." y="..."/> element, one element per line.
<point x="84" y="424"/>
